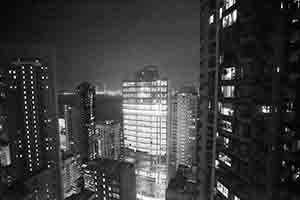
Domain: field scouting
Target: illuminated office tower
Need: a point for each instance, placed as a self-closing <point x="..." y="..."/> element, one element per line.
<point x="110" y="179"/>
<point x="145" y="116"/>
<point x="182" y="139"/>
<point x="249" y="140"/>
<point x="86" y="104"/>
<point x="33" y="138"/>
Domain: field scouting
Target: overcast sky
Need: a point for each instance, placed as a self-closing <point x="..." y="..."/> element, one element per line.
<point x="107" y="41"/>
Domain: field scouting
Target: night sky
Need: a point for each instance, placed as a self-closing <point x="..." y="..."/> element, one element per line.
<point x="106" y="41"/>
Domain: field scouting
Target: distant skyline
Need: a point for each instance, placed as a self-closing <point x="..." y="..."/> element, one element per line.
<point x="107" y="41"/>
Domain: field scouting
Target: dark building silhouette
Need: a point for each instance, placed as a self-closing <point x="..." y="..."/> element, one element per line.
<point x="110" y="179"/>
<point x="183" y="128"/>
<point x="181" y="187"/>
<point x="86" y="104"/>
<point x="248" y="141"/>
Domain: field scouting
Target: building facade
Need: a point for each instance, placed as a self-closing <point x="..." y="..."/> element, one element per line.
<point x="110" y="179"/>
<point x="5" y="156"/>
<point x="107" y="140"/>
<point x="248" y="136"/>
<point x="145" y="116"/>
<point x="71" y="172"/>
<point x="183" y="128"/>
<point x="31" y="124"/>
<point x="71" y="160"/>
<point x="86" y="104"/>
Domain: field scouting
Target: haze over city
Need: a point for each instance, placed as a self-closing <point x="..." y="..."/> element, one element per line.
<point x="104" y="41"/>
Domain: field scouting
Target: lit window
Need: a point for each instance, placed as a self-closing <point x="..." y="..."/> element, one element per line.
<point x="289" y="107"/>
<point x="277" y="69"/>
<point x="227" y="91"/>
<point x="236" y="198"/>
<point x="226" y="125"/>
<point x="217" y="164"/>
<point x="266" y="109"/>
<point x="225" y="159"/>
<point x="226" y="142"/>
<point x="228" y="73"/>
<point x="230" y="19"/>
<point x="229" y="3"/>
<point x="211" y="19"/>
<point x="221" y="188"/>
<point x="226" y="109"/>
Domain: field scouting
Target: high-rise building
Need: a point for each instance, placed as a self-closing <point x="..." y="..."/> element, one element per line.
<point x="71" y="172"/>
<point x="5" y="156"/>
<point x="110" y="179"/>
<point x="183" y="119"/>
<point x="248" y="142"/>
<point x="32" y="136"/>
<point x="65" y="128"/>
<point x="107" y="140"/>
<point x="145" y="116"/>
<point x="86" y="104"/>
<point x="27" y="100"/>
<point x="69" y="128"/>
